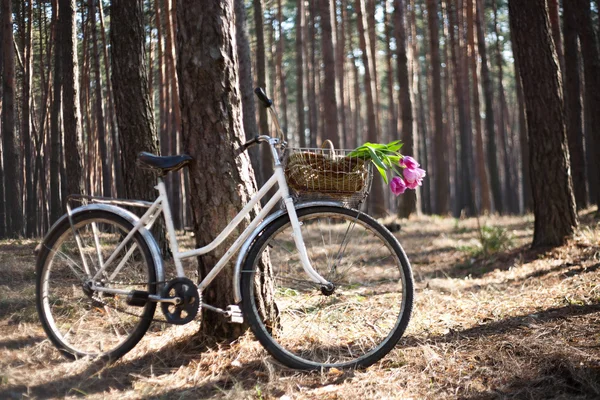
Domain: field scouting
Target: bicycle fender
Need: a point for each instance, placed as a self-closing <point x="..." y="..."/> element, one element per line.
<point x="129" y="217"/>
<point x="237" y="272"/>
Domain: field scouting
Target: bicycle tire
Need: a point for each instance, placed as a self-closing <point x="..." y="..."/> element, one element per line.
<point x="78" y="321"/>
<point x="357" y="324"/>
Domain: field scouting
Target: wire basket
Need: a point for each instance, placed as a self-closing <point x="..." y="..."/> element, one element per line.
<point x="327" y="174"/>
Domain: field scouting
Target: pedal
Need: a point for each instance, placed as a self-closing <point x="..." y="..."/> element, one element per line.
<point x="137" y="298"/>
<point x="234" y="313"/>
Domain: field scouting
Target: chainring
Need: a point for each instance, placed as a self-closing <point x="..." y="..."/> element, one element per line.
<point x="186" y="311"/>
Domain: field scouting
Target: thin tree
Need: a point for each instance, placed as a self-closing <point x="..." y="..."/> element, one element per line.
<point x="10" y="138"/>
<point x="300" y="81"/>
<point x="99" y="108"/>
<point x="330" y="108"/>
<point x="376" y="200"/>
<point x="71" y="112"/>
<point x="440" y="161"/>
<point x="409" y="199"/>
<point x="554" y="203"/>
<point x="573" y="104"/>
<point x="591" y="67"/>
<point x="492" y="149"/>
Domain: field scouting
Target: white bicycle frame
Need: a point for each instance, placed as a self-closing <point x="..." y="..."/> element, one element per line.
<point x="161" y="205"/>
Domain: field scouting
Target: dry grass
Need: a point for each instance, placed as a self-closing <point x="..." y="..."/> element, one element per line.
<point x="514" y="324"/>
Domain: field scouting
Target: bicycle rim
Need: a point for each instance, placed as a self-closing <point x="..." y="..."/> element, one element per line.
<point x="78" y="320"/>
<point x="355" y="324"/>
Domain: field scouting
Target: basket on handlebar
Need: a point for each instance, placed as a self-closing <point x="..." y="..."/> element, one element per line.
<point x="327" y="173"/>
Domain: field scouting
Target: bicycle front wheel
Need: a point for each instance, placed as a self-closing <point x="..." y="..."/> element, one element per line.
<point x="78" y="320"/>
<point x="356" y="322"/>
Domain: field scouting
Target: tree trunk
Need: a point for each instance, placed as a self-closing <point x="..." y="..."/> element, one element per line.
<point x="71" y="113"/>
<point x="118" y="173"/>
<point x="376" y="200"/>
<point x="280" y="72"/>
<point x="313" y="109"/>
<point x="554" y="204"/>
<point x="212" y="130"/>
<point x="300" y="25"/>
<point x="502" y="131"/>
<point x="488" y="94"/>
<point x="553" y="13"/>
<point x="261" y="80"/>
<point x="26" y="132"/>
<point x="482" y="176"/>
<point x="442" y="188"/>
<point x="102" y="139"/>
<point x="392" y="129"/>
<point x="591" y="67"/>
<point x="573" y="105"/>
<point x="55" y="128"/>
<point x="408" y="201"/>
<point x="466" y="201"/>
<point x="246" y="87"/>
<point x="132" y="97"/>
<point x="330" y="111"/>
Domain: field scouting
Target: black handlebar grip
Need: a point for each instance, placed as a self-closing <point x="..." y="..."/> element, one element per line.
<point x="262" y="96"/>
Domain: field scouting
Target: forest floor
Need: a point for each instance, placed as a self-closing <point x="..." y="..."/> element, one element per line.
<point x="512" y="323"/>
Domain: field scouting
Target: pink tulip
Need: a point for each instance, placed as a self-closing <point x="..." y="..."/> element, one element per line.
<point x="414" y="175"/>
<point x="409" y="162"/>
<point x="397" y="185"/>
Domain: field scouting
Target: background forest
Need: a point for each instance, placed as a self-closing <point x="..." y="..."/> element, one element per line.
<point x="440" y="75"/>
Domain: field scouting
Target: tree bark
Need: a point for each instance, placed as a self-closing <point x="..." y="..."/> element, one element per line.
<point x="300" y="25"/>
<point x="261" y="81"/>
<point x="55" y="128"/>
<point x="492" y="149"/>
<point x="408" y="201"/>
<point x="71" y="111"/>
<point x="212" y="130"/>
<point x="574" y="106"/>
<point x="330" y="111"/>
<point x="102" y="139"/>
<point x="591" y="67"/>
<point x="135" y="118"/>
<point x="554" y="204"/>
<point x="26" y="132"/>
<point x="376" y="202"/>
<point x="442" y="188"/>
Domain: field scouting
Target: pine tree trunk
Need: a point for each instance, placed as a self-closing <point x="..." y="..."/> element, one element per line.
<point x="246" y="87"/>
<point x="408" y="200"/>
<point x="442" y="188"/>
<point x="26" y="133"/>
<point x="482" y="176"/>
<point x="261" y="81"/>
<point x="466" y="201"/>
<point x="376" y="202"/>
<point x="71" y="113"/>
<point x="114" y="135"/>
<point x="591" y="67"/>
<point x="300" y="81"/>
<point x="102" y="138"/>
<point x="573" y="105"/>
<point x="554" y="204"/>
<point x="491" y="150"/>
<point x="55" y="128"/>
<point x="391" y="29"/>
<point x="212" y="129"/>
<point x="330" y="110"/>
<point x="132" y="97"/>
<point x="313" y="109"/>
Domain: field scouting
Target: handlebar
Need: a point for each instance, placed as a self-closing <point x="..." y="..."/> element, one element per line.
<point x="251" y="143"/>
<point x="262" y="96"/>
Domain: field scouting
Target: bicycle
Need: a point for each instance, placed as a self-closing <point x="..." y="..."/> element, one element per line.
<point x="320" y="284"/>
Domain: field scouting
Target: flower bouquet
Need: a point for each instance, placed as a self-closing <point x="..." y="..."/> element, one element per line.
<point x="386" y="157"/>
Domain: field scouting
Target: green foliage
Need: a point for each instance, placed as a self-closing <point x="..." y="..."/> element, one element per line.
<point x="385" y="157"/>
<point x="494" y="239"/>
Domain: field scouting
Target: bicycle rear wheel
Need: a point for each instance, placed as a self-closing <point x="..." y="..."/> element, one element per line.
<point x="356" y="323"/>
<point x="78" y="320"/>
